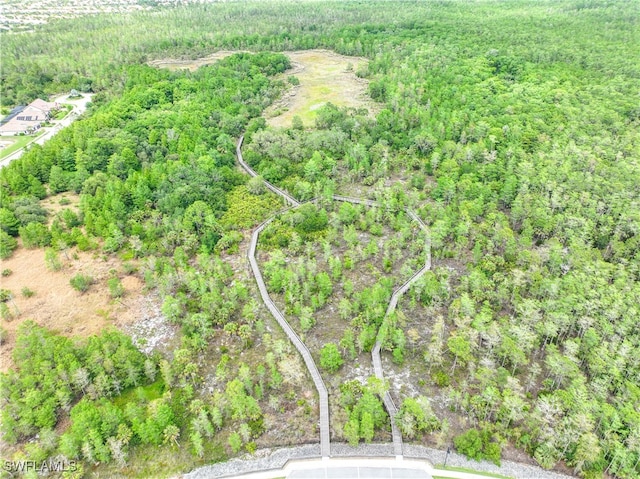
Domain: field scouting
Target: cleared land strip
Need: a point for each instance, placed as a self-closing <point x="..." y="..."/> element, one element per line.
<point x="295" y="339"/>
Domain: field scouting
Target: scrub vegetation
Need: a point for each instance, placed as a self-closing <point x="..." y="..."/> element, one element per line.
<point x="510" y="128"/>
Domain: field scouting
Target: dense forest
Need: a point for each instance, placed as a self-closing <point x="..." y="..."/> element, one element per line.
<point x="510" y="128"/>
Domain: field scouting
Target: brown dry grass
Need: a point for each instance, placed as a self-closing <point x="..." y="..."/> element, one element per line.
<point x="56" y="305"/>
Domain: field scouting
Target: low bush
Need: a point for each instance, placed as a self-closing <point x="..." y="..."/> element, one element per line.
<point x="478" y="445"/>
<point x="81" y="282"/>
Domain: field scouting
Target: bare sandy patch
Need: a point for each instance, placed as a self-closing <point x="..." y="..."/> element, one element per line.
<point x="57" y="306"/>
<point x="191" y="65"/>
<point x="324" y="77"/>
<point x="56" y="203"/>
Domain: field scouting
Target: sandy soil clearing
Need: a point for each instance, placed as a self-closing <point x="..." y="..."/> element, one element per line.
<point x="53" y="204"/>
<point x="57" y="306"/>
<point x="191" y="65"/>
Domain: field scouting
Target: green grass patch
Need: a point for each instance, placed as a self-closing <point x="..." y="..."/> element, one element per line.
<point x="148" y="393"/>
<point x="246" y="210"/>
<point x="325" y="78"/>
<point x="471" y="471"/>
<point x="18" y="142"/>
<point x="162" y="461"/>
<point x="60" y="114"/>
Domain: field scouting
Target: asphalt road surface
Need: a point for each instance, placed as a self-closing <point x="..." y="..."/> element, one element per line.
<point x="359" y="472"/>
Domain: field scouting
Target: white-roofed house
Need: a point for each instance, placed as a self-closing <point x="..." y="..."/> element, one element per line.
<point x="29" y="119"/>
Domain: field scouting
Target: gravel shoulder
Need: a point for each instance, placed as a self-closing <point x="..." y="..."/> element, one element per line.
<point x="276" y="459"/>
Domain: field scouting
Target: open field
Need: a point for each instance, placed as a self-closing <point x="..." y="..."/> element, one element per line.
<point x="57" y="305"/>
<point x="324" y="77"/>
<point x="191" y="65"/>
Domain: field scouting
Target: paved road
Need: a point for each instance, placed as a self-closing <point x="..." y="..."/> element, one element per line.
<point x="359" y="469"/>
<point x="340" y="468"/>
<point x="79" y="107"/>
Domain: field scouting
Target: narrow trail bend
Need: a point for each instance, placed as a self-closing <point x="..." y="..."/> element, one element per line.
<point x="325" y="445"/>
<point x="287" y="197"/>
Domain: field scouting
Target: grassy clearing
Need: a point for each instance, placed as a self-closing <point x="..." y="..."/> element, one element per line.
<point x="149" y="393"/>
<point x="470" y="471"/>
<point x="18" y="142"/>
<point x="324" y="77"/>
